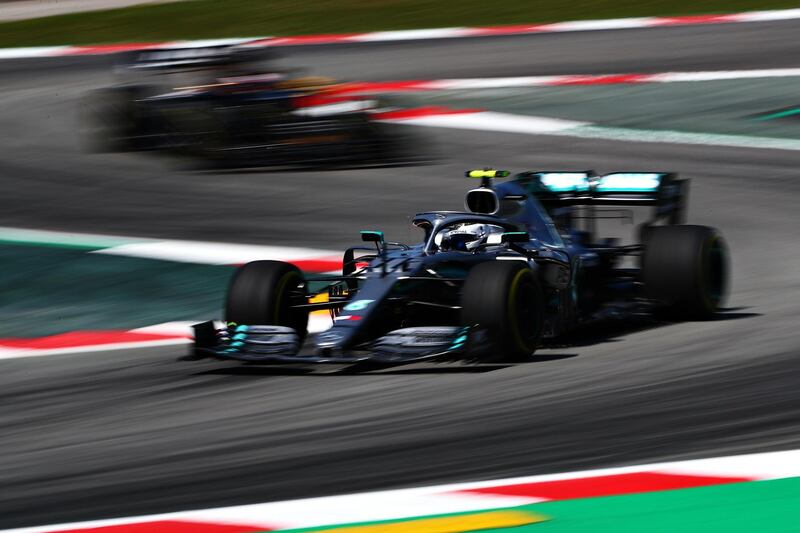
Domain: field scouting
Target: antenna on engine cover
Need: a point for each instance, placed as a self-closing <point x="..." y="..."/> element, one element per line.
<point x="486" y="175"/>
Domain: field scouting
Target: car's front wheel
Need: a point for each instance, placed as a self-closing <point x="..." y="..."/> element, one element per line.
<point x="503" y="300"/>
<point x="266" y="293"/>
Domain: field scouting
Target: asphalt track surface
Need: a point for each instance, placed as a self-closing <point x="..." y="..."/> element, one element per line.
<point x="131" y="432"/>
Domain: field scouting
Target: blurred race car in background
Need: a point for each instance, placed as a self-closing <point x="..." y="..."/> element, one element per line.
<point x="524" y="262"/>
<point x="224" y="106"/>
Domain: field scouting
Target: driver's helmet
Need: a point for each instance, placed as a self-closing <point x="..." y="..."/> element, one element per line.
<point x="467" y="237"/>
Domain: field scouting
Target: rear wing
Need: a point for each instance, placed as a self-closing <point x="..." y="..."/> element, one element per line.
<point x="662" y="190"/>
<point x="181" y="58"/>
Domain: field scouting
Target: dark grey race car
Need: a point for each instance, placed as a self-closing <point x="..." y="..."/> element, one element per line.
<point x="524" y="262"/>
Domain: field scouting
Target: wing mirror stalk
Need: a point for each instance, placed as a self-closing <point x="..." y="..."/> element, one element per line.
<point x="514" y="240"/>
<point x="380" y="243"/>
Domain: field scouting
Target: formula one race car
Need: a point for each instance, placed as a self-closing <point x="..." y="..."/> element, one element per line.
<point x="524" y="262"/>
<point x="223" y="107"/>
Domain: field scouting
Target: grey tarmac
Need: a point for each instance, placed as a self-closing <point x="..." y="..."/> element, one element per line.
<point x="131" y="432"/>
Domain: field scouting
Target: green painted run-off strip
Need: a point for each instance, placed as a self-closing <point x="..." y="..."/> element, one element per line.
<point x="57" y="239"/>
<point x="758" y="506"/>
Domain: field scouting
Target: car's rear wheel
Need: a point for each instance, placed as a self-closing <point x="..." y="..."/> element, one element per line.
<point x="265" y="293"/>
<point x="503" y="300"/>
<point x="111" y="120"/>
<point x="686" y="270"/>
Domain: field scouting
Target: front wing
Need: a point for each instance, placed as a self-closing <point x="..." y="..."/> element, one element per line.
<point x="279" y="344"/>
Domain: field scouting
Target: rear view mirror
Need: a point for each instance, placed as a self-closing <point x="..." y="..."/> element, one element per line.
<point x="372" y="236"/>
<point x="515" y="237"/>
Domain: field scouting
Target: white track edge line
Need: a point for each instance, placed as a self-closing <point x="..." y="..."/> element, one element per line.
<point x="436" y="33"/>
<point x="535" y="125"/>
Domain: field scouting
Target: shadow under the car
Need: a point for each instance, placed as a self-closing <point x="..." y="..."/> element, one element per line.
<point x="732" y="316"/>
<point x="613" y="330"/>
<point x="322" y="371"/>
<point x="252" y="370"/>
<point x="411" y="368"/>
<point x="441" y="369"/>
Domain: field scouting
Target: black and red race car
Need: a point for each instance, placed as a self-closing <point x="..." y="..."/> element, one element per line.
<point x="223" y="106"/>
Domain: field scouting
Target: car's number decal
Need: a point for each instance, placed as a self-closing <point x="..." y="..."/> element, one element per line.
<point x="358" y="305"/>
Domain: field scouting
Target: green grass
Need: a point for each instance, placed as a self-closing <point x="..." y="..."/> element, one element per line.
<point x="243" y="18"/>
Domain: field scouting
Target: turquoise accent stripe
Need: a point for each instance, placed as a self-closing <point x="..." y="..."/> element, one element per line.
<point x="627" y="189"/>
<point x="780" y="114"/>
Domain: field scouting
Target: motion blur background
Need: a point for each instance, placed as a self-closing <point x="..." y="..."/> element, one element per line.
<point x="95" y="434"/>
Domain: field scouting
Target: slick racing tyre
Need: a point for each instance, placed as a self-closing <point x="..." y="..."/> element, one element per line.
<point x="111" y="120"/>
<point x="685" y="269"/>
<point x="504" y="300"/>
<point x="263" y="293"/>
